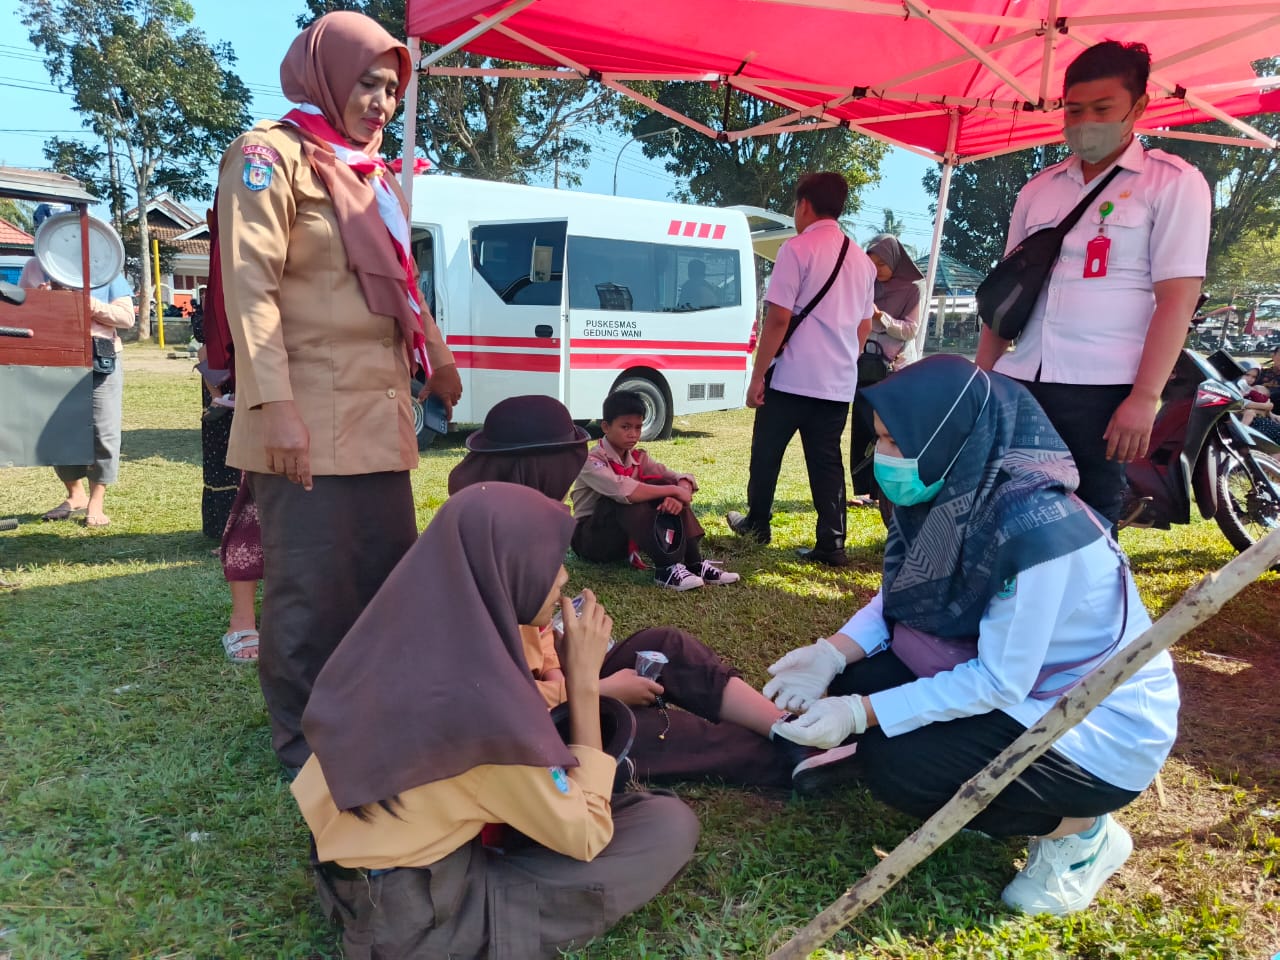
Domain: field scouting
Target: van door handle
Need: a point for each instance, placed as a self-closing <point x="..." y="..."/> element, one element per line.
<point x="543" y="330"/>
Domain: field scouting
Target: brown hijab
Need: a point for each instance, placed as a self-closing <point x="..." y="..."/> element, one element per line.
<point x="432" y="680"/>
<point x="326" y="59"/>
<point x="322" y="67"/>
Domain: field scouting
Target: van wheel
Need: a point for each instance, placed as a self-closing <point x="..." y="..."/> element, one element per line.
<point x="425" y="437"/>
<point x="657" y="412"/>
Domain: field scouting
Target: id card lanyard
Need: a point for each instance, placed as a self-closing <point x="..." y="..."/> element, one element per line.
<point x="1098" y="249"/>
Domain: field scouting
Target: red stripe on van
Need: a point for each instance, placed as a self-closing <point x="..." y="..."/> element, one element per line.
<point x="620" y="361"/>
<point x="597" y="343"/>
<point x="719" y="232"/>
<point x="690" y="228"/>
<point x="674" y="229"/>
<point x="546" y="343"/>
<point x="704" y="230"/>
<point x="529" y="363"/>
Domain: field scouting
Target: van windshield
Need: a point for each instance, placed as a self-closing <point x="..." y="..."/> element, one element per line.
<point x="653" y="277"/>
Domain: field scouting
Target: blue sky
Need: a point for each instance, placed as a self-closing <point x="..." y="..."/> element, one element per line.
<point x="260" y="32"/>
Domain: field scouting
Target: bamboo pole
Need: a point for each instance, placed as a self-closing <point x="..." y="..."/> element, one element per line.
<point x="1197" y="605"/>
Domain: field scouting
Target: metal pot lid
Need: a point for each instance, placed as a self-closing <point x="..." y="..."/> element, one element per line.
<point x="58" y="250"/>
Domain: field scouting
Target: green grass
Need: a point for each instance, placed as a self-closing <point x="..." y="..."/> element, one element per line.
<point x="142" y="813"/>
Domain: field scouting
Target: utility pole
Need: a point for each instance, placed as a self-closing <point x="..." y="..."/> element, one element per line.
<point x="117" y="215"/>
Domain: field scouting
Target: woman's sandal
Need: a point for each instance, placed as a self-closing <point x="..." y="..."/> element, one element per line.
<point x="64" y="511"/>
<point x="241" y="645"/>
<point x="864" y="500"/>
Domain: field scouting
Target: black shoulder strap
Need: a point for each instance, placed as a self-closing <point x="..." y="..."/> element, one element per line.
<point x="797" y="317"/>
<point x="1072" y="218"/>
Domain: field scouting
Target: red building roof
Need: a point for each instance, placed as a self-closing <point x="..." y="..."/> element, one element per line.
<point x="11" y="236"/>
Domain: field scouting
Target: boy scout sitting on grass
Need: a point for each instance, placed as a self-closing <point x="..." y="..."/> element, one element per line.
<point x="626" y="503"/>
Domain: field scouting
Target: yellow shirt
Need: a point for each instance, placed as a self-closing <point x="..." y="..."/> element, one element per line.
<point x="567" y="811"/>
<point x="540" y="651"/>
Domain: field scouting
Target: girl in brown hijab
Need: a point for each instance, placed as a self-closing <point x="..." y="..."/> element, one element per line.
<point x="425" y="729"/>
<point x="312" y="238"/>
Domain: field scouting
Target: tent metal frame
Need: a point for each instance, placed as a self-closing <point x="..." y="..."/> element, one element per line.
<point x="804" y="117"/>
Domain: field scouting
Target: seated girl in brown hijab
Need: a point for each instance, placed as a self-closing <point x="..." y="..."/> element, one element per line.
<point x="426" y="725"/>
<point x="723" y="731"/>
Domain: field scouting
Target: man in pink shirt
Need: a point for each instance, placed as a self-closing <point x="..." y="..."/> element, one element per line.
<point x="806" y="382"/>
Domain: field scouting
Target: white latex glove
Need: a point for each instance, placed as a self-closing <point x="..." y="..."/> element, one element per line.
<point x="826" y="724"/>
<point x="803" y="675"/>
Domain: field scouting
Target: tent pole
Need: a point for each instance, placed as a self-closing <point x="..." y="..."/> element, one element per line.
<point x="939" y="218"/>
<point x="410" y="122"/>
<point x="484" y="25"/>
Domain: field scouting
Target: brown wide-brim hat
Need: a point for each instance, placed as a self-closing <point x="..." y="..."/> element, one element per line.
<point x="530" y="422"/>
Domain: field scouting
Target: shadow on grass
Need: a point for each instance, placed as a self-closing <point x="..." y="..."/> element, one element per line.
<point x="178" y="446"/>
<point x="89" y="548"/>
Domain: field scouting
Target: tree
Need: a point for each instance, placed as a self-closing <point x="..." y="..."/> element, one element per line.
<point x="760" y="171"/>
<point x="18" y="213"/>
<point x="981" y="202"/>
<point x="891" y="224"/>
<point x="493" y="128"/>
<point x="1245" y="184"/>
<point x="1248" y="270"/>
<point x="162" y="99"/>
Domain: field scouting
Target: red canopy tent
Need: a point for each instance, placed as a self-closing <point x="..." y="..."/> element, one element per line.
<point x="957" y="81"/>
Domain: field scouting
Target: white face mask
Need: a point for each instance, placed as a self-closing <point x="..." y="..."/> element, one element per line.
<point x="1093" y="141"/>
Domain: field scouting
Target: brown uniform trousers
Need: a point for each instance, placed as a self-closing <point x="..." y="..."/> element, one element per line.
<point x="523" y="904"/>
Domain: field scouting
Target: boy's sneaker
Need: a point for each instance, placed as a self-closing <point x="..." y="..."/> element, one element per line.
<point x="711" y="573"/>
<point x="1064" y="875"/>
<point x="678" y="577"/>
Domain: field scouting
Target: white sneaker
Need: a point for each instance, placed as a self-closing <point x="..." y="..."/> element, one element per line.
<point x="712" y="574"/>
<point x="1064" y="875"/>
<point x="678" y="577"/>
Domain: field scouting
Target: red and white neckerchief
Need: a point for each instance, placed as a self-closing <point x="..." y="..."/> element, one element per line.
<point x="312" y="120"/>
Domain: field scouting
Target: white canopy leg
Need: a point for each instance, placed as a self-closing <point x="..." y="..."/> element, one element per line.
<point x="410" y="122"/>
<point x="939" y="218"/>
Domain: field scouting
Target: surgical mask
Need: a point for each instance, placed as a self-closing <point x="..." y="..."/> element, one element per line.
<point x="1093" y="141"/>
<point x="899" y="477"/>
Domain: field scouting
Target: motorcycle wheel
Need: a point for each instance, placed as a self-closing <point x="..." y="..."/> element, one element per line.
<point x="1246" y="513"/>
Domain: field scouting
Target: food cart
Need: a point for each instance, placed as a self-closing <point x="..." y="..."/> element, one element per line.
<point x="46" y="361"/>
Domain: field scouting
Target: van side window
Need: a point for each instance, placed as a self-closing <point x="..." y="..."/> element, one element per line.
<point x="654" y="277"/>
<point x="513" y="259"/>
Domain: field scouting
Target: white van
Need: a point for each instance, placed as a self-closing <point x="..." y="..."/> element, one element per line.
<point x="575" y="295"/>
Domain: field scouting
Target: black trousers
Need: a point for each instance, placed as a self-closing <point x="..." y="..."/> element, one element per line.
<point x="1080" y="413"/>
<point x="325" y="554"/>
<point x="603" y="536"/>
<point x="820" y="424"/>
<point x="918" y="772"/>
<point x="862" y="439"/>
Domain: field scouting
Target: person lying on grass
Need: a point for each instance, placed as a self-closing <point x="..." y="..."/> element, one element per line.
<point x="426" y="726"/>
<point x="1001" y="591"/>
<point x="722" y="732"/>
<point x="627" y="503"/>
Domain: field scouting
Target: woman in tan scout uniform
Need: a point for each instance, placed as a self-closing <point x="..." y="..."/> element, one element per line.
<point x="427" y="729"/>
<point x="323" y="313"/>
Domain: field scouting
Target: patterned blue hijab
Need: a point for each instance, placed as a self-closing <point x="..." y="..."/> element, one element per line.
<point x="1004" y="505"/>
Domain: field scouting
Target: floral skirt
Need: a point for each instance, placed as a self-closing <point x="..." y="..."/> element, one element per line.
<point x="241" y="550"/>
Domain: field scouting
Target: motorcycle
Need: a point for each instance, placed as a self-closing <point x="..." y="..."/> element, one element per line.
<point x="1201" y="451"/>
